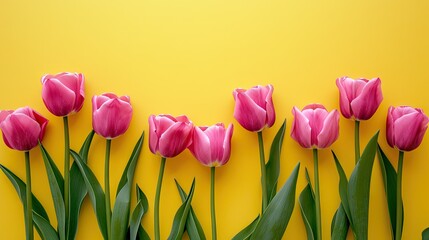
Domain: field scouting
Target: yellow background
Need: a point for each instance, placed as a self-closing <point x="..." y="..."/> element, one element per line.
<point x="186" y="57"/>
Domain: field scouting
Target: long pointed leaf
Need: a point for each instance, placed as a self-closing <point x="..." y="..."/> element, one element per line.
<point x="340" y="224"/>
<point x="95" y="192"/>
<point x="55" y="184"/>
<point x="78" y="189"/>
<point x="358" y="189"/>
<point x="308" y="209"/>
<point x="193" y="226"/>
<point x="121" y="209"/>
<point x="343" y="189"/>
<point x="46" y="230"/>
<point x="273" y="164"/>
<point x="182" y="213"/>
<point x="273" y="222"/>
<point x="247" y="232"/>
<point x="136" y="229"/>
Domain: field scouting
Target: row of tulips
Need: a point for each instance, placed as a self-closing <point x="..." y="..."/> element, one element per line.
<point x="313" y="127"/>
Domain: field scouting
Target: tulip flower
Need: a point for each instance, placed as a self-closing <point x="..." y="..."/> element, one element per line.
<point x="168" y="137"/>
<point x="22" y="130"/>
<point x="111" y="117"/>
<point x="63" y="93"/>
<point x="314" y="127"/>
<point x="212" y="147"/>
<point x="254" y="108"/>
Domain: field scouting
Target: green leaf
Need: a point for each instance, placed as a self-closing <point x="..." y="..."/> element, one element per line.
<point x="193" y="226"/>
<point x="46" y="230"/>
<point x="277" y="215"/>
<point x="343" y="189"/>
<point x="340" y="224"/>
<point x="95" y="192"/>
<point x="121" y="210"/>
<point x="308" y="209"/>
<point x="425" y="234"/>
<point x="56" y="183"/>
<point x="78" y="189"/>
<point x="247" y="232"/>
<point x="273" y="164"/>
<point x="389" y="180"/>
<point x="359" y="189"/>
<point x="136" y="230"/>
<point x="142" y="234"/>
<point x="179" y="221"/>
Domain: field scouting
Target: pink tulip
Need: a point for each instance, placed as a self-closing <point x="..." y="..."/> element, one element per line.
<point x="111" y="115"/>
<point x="360" y="98"/>
<point x="254" y="108"/>
<point x="23" y="128"/>
<point x="169" y="136"/>
<point x="212" y="145"/>
<point x="405" y="127"/>
<point x="63" y="94"/>
<point x="315" y="127"/>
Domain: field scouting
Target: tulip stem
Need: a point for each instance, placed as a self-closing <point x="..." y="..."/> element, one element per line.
<point x="317" y="194"/>
<point x="357" y="144"/>
<point x="212" y="202"/>
<point x="66" y="168"/>
<point x="399" y="213"/>
<point x="263" y="172"/>
<point x="107" y="187"/>
<point x="29" y="210"/>
<point x="157" y="197"/>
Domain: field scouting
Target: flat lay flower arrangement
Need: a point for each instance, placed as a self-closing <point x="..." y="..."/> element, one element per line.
<point x="313" y="127"/>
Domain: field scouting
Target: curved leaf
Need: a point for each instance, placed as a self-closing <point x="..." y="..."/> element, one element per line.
<point x="343" y="189"/>
<point x="46" y="230"/>
<point x="276" y="217"/>
<point x="425" y="234"/>
<point x="179" y="221"/>
<point x="273" y="164"/>
<point x="358" y="190"/>
<point x="308" y="209"/>
<point x="193" y="226"/>
<point x="121" y="209"/>
<point x="247" y="232"/>
<point x="136" y="230"/>
<point x="95" y="192"/>
<point x="340" y="224"/>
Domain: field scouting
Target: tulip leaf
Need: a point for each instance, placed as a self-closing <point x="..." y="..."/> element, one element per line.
<point x="56" y="183"/>
<point x="273" y="222"/>
<point x="273" y="164"/>
<point x="359" y="190"/>
<point x="193" y="226"/>
<point x="121" y="209"/>
<point x="343" y="189"/>
<point x="340" y="224"/>
<point x="425" y="234"/>
<point x="21" y="189"/>
<point x="96" y="194"/>
<point x="389" y="180"/>
<point x="181" y="216"/>
<point x="78" y="189"/>
<point x="247" y="232"/>
<point x="308" y="209"/>
<point x="46" y="230"/>
<point x="137" y="215"/>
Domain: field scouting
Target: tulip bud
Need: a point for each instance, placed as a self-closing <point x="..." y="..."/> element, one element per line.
<point x="63" y="94"/>
<point x="405" y="127"/>
<point x="360" y="98"/>
<point x="314" y="126"/>
<point x="111" y="115"/>
<point x="23" y="128"/>
<point x="211" y="146"/>
<point x="169" y="136"/>
<point x="254" y="108"/>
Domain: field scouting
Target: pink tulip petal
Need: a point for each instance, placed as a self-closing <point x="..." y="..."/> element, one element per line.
<point x="259" y="95"/>
<point x="408" y="130"/>
<point x="58" y="98"/>
<point x="163" y="122"/>
<point x="153" y="136"/>
<point x="4" y="114"/>
<point x="112" y="118"/>
<point x="330" y="130"/>
<point x="349" y="89"/>
<point x="227" y="145"/>
<point x="175" y="139"/>
<point x="251" y="116"/>
<point x="201" y="147"/>
<point x="315" y="113"/>
<point x="216" y="135"/>
<point x="390" y="133"/>
<point x="366" y="104"/>
<point x="271" y="114"/>
<point x="20" y="132"/>
<point x="301" y="130"/>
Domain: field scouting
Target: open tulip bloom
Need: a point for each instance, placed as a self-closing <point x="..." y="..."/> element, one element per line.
<point x="22" y="130"/>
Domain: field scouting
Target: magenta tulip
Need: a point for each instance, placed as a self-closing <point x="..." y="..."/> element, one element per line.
<point x="169" y="136"/>
<point x="360" y="98"/>
<point x="212" y="145"/>
<point x="111" y="115"/>
<point x="63" y="94"/>
<point x="314" y="126"/>
<point x="405" y="127"/>
<point x="254" y="108"/>
<point x="23" y="128"/>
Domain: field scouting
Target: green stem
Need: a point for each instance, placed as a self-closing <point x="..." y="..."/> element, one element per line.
<point x="66" y="168"/>
<point x="317" y="194"/>
<point x="263" y="172"/>
<point x="399" y="213"/>
<point x="212" y="202"/>
<point x="157" y="196"/>
<point x="357" y="144"/>
<point x="107" y="187"/>
<point x="29" y="213"/>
